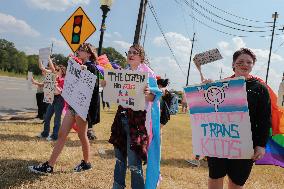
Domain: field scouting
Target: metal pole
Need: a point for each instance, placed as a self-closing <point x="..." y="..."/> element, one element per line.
<point x="105" y="10"/>
<point x="275" y="17"/>
<point x="193" y="39"/>
<point x="140" y="20"/>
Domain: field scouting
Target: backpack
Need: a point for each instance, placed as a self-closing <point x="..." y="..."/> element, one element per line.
<point x="173" y="106"/>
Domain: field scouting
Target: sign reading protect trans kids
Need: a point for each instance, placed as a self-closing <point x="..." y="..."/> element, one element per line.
<point x="77" y="29"/>
<point x="220" y="119"/>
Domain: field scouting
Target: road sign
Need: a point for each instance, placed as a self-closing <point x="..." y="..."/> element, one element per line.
<point x="77" y="29"/>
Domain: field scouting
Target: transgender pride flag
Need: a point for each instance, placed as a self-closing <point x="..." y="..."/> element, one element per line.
<point x="223" y="96"/>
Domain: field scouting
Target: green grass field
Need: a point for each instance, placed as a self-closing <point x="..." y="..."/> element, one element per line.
<point x="19" y="148"/>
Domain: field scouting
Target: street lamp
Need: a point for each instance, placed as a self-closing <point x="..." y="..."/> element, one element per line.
<point x="105" y="6"/>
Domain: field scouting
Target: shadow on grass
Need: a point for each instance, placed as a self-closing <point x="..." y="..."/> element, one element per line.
<point x="14" y="172"/>
<point x="11" y="137"/>
<point x="181" y="163"/>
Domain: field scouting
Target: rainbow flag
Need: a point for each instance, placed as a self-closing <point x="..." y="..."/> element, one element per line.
<point x="153" y="130"/>
<point x="274" y="152"/>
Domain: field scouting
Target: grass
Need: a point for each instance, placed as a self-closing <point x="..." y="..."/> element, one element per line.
<point x="12" y="74"/>
<point x="19" y="148"/>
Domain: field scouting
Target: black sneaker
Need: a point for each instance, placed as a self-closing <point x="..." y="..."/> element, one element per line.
<point x="41" y="169"/>
<point x="91" y="135"/>
<point x="83" y="166"/>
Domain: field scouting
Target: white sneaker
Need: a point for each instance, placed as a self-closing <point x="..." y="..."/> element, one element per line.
<point x="49" y="138"/>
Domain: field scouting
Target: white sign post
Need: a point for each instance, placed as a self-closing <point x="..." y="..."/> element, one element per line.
<point x="44" y="54"/>
<point x="126" y="88"/>
<point x="220" y="119"/>
<point x="78" y="88"/>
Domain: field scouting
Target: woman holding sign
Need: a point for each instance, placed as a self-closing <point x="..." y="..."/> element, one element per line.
<point x="131" y="131"/>
<point x="87" y="54"/>
<point x="238" y="170"/>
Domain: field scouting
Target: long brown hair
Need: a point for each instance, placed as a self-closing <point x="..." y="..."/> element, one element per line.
<point x="87" y="47"/>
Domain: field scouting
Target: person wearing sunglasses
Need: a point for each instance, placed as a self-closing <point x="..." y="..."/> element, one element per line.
<point x="87" y="54"/>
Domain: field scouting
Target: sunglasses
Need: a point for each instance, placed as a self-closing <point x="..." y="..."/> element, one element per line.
<point x="132" y="53"/>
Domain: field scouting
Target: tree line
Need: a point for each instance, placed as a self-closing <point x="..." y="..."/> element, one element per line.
<point x="13" y="60"/>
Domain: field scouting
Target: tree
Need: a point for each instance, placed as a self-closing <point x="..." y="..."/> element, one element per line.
<point x="114" y="55"/>
<point x="59" y="59"/>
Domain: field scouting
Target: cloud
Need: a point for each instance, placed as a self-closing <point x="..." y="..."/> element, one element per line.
<point x="56" y="5"/>
<point x="9" y="24"/>
<point x="29" y="50"/>
<point x="238" y="42"/>
<point x="121" y="46"/>
<point x="60" y="46"/>
<point x="180" y="44"/>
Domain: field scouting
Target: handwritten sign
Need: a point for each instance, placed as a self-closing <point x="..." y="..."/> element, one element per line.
<point x="220" y="119"/>
<point x="29" y="82"/>
<point x="44" y="54"/>
<point x="78" y="88"/>
<point x="207" y="57"/>
<point x="126" y="88"/>
<point x="49" y="88"/>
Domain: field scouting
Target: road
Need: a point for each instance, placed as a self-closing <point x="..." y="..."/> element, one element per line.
<point x="16" y="96"/>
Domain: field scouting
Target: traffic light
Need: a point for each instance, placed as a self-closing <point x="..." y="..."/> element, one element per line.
<point x="77" y="29"/>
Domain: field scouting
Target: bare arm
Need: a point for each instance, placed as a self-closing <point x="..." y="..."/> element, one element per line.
<point x="37" y="83"/>
<point x="148" y="95"/>
<point x="51" y="65"/>
<point x="42" y="67"/>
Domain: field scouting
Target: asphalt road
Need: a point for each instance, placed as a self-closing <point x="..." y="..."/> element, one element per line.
<point x="16" y="96"/>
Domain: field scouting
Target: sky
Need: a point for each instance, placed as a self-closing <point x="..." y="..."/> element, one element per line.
<point x="34" y="24"/>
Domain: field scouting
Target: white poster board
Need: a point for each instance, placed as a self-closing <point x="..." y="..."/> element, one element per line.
<point x="207" y="57"/>
<point x="44" y="54"/>
<point x="220" y="119"/>
<point x="280" y="99"/>
<point x="126" y="88"/>
<point x="49" y="87"/>
<point x="29" y="81"/>
<point x="78" y="88"/>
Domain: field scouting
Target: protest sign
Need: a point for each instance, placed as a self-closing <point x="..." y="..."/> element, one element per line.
<point x="29" y="82"/>
<point x="126" y="88"/>
<point x="78" y="88"/>
<point x="220" y="119"/>
<point x="44" y="54"/>
<point x="49" y="87"/>
<point x="207" y="57"/>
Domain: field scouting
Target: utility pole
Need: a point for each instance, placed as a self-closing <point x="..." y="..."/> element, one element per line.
<point x="275" y="16"/>
<point x="193" y="39"/>
<point x="140" y="20"/>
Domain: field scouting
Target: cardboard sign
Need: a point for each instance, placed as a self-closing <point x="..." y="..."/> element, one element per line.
<point x="207" y="57"/>
<point x="126" y="88"/>
<point x="29" y="82"/>
<point x="220" y="119"/>
<point x="49" y="87"/>
<point x="78" y="88"/>
<point x="44" y="54"/>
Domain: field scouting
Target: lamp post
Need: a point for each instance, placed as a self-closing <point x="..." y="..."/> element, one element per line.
<point x="105" y="6"/>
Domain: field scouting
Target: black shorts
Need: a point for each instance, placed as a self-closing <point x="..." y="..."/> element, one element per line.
<point x="238" y="170"/>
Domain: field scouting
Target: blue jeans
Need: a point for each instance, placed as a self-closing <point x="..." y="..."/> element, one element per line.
<point x="134" y="164"/>
<point x="56" y="107"/>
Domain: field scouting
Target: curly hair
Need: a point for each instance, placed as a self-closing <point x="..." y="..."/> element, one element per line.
<point x="87" y="47"/>
<point x="140" y="50"/>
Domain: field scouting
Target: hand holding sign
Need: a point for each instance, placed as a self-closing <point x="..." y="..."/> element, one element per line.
<point x="207" y="57"/>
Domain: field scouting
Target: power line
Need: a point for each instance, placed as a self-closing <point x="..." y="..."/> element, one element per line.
<point x="164" y="36"/>
<point x="243" y="18"/>
<point x="212" y="13"/>
<point x="212" y="20"/>
<point x="221" y="31"/>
